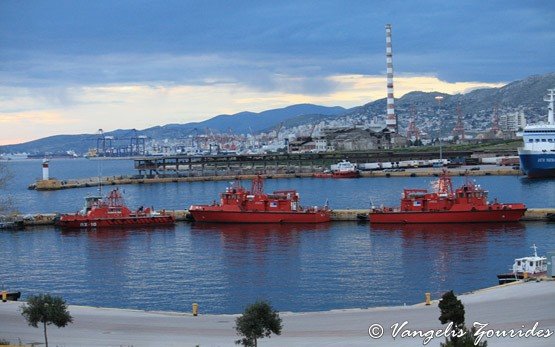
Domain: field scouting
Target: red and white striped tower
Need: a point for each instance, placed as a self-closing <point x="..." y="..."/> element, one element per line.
<point x="391" y="120"/>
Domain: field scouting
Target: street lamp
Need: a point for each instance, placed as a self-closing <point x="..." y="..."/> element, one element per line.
<point x="438" y="99"/>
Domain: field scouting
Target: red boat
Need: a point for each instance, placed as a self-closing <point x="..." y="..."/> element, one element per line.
<point x="238" y="205"/>
<point x="112" y="212"/>
<point x="468" y="204"/>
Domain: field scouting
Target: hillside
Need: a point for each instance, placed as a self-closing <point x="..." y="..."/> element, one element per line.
<point x="240" y="123"/>
<point x="476" y="108"/>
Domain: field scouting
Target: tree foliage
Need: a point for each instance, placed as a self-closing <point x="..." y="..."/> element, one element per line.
<point x="258" y="321"/>
<point x="46" y="309"/>
<point x="452" y="311"/>
<point x="5" y="199"/>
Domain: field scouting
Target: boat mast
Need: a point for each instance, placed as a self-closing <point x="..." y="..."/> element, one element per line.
<point x="100" y="168"/>
<point x="535" y="250"/>
<point x="550" y="99"/>
<point x="257" y="185"/>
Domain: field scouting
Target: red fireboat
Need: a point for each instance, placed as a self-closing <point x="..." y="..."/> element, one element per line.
<point x="238" y="205"/>
<point x="112" y="212"/>
<point x="467" y="204"/>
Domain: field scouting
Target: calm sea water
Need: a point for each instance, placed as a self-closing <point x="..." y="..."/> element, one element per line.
<point x="225" y="267"/>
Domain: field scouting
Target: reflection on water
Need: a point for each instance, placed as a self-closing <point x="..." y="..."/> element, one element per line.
<point x="224" y="267"/>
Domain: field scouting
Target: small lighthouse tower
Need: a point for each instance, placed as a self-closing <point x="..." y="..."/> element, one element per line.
<point x="45" y="174"/>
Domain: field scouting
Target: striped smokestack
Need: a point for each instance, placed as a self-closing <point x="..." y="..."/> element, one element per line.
<point x="391" y="120"/>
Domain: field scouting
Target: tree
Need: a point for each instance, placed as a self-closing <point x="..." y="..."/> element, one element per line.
<point x="452" y="311"/>
<point x="46" y="309"/>
<point x="5" y="200"/>
<point x="258" y="321"/>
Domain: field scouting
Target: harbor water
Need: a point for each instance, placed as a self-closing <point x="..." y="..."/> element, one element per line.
<point x="225" y="267"/>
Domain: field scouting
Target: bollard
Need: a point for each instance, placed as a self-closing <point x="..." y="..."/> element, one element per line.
<point x="4" y="296"/>
<point x="525" y="275"/>
<point x="428" y="299"/>
<point x="195" y="309"/>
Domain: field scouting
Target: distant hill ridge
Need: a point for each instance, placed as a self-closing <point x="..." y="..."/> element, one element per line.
<point x="525" y="95"/>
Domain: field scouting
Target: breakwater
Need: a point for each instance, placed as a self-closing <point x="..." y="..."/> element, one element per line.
<point x="339" y="215"/>
<point x="55" y="184"/>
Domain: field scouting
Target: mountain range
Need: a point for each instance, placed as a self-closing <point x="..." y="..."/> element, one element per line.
<point x="476" y="107"/>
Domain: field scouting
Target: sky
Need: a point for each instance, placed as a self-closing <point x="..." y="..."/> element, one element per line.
<point x="69" y="67"/>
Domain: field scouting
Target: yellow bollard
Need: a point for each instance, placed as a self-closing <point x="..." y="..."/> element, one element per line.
<point x="428" y="299"/>
<point x="525" y="275"/>
<point x="4" y="296"/>
<point x="195" y="309"/>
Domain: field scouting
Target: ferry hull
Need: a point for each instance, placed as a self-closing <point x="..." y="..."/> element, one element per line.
<point x="85" y="223"/>
<point x="259" y="217"/>
<point x="487" y="216"/>
<point x="537" y="165"/>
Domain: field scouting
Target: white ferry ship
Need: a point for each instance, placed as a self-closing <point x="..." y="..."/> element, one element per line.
<point x="537" y="157"/>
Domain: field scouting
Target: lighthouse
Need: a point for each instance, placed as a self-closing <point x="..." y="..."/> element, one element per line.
<point x="45" y="169"/>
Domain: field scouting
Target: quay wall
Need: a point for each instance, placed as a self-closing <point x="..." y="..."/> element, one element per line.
<point x="533" y="214"/>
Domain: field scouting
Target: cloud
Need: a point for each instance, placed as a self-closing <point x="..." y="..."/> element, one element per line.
<point x="137" y="64"/>
<point x="139" y="106"/>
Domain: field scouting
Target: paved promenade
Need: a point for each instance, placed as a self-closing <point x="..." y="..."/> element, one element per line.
<point x="503" y="308"/>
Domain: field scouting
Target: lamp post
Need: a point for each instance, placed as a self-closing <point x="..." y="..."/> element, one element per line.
<point x="438" y="99"/>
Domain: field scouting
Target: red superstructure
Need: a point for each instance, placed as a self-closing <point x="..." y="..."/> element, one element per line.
<point x="467" y="204"/>
<point x="112" y="212"/>
<point x="238" y="205"/>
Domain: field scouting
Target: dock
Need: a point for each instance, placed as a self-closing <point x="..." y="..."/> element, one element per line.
<point x="340" y="215"/>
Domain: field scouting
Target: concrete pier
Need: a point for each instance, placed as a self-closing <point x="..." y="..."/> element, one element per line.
<point x="515" y="306"/>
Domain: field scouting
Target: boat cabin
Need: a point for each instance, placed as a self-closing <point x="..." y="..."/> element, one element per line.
<point x="532" y="265"/>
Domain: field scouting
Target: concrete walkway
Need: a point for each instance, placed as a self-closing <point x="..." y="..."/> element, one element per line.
<point x="503" y="308"/>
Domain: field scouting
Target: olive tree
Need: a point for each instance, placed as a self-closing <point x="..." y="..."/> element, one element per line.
<point x="258" y="321"/>
<point x="46" y="309"/>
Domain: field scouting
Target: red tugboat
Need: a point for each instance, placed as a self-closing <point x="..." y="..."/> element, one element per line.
<point x="238" y="205"/>
<point x="112" y="212"/>
<point x="468" y="204"/>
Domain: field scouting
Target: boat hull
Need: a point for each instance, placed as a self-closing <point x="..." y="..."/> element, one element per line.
<point x="485" y="216"/>
<point x="85" y="223"/>
<point x="350" y="174"/>
<point x="259" y="217"/>
<point x="537" y="164"/>
<point x="512" y="277"/>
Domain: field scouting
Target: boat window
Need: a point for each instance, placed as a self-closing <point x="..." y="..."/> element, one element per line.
<point x="531" y="263"/>
<point x="531" y="140"/>
<point x="537" y="140"/>
<point x="550" y="140"/>
<point x="544" y="140"/>
<point x="518" y="263"/>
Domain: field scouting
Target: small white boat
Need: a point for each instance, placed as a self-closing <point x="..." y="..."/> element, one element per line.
<point x="526" y="267"/>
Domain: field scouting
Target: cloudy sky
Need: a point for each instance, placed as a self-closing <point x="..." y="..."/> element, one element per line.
<point x="77" y="66"/>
